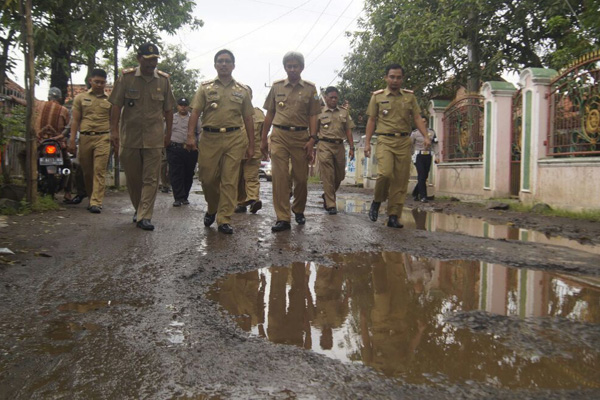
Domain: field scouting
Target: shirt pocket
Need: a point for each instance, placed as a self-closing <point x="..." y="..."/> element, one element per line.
<point x="158" y="97"/>
<point x="212" y="97"/>
<point x="105" y="105"/>
<point x="281" y="100"/>
<point x="384" y="108"/>
<point x="132" y="94"/>
<point x="236" y="99"/>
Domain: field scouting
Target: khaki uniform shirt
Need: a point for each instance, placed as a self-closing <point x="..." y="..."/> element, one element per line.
<point x="393" y="113"/>
<point x="333" y="124"/>
<point x="259" y="119"/>
<point x="94" y="111"/>
<point x="144" y="100"/>
<point x="293" y="104"/>
<point x="222" y="106"/>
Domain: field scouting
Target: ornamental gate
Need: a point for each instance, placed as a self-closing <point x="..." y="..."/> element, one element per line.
<point x="516" y="143"/>
<point x="463" y="130"/>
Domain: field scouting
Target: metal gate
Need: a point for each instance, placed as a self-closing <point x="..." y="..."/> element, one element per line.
<point x="516" y="143"/>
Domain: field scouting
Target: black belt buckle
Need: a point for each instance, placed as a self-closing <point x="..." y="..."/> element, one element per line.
<point x="292" y="128"/>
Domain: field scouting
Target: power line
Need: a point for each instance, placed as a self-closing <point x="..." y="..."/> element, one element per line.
<point x="332" y="25"/>
<point x="334" y="40"/>
<point x="252" y="31"/>
<point x="313" y="25"/>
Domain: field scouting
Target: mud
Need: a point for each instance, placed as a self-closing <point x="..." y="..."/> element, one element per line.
<point x="92" y="307"/>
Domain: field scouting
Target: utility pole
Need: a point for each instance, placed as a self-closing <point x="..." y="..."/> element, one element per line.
<point x="30" y="135"/>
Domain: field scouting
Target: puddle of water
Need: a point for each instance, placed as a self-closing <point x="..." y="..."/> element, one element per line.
<point x="391" y="311"/>
<point x="438" y="222"/>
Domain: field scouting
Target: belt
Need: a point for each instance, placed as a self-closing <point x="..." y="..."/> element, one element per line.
<point x="339" y="141"/>
<point x="93" y="133"/>
<point x="423" y="152"/>
<point x="221" y="130"/>
<point x="393" y="134"/>
<point x="175" y="144"/>
<point x="291" y="128"/>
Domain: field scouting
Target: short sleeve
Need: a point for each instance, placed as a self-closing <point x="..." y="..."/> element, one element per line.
<point x="372" y="109"/>
<point x="117" y="96"/>
<point x="269" y="101"/>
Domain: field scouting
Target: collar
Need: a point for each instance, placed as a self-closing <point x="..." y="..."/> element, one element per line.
<point x="287" y="82"/>
<point x="388" y="92"/>
<point x="138" y="72"/>
<point x="91" y="91"/>
<point x="233" y="81"/>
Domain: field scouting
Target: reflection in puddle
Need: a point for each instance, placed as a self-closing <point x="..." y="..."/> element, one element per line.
<point x="389" y="311"/>
<point x="439" y="222"/>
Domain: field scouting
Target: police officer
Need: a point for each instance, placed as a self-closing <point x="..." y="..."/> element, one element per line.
<point x="292" y="107"/>
<point x="335" y="125"/>
<point x="224" y="104"/>
<point x="144" y="96"/>
<point x="91" y="117"/>
<point x="249" y="185"/>
<point x="392" y="112"/>
<point x="182" y="162"/>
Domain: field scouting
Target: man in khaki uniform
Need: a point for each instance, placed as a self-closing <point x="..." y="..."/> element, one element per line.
<point x="249" y="185"/>
<point x="145" y="98"/>
<point x="335" y="125"/>
<point x="392" y="113"/>
<point x="292" y="107"/>
<point x="91" y="117"/>
<point x="224" y="104"/>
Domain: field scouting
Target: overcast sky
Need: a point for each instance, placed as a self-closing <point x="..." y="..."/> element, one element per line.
<point x="259" y="33"/>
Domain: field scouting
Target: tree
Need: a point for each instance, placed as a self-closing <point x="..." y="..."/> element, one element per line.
<point x="173" y="61"/>
<point x="10" y="27"/>
<point x="445" y="44"/>
<point x="70" y="33"/>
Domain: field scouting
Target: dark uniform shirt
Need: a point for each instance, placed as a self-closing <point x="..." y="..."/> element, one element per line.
<point x="144" y="101"/>
<point x="333" y="124"/>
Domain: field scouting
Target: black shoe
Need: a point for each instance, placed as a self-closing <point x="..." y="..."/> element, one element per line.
<point x="300" y="218"/>
<point x="374" y="211"/>
<point x="281" y="226"/>
<point x="135" y="216"/>
<point x="226" y="228"/>
<point x="424" y="200"/>
<point x="95" y="210"/>
<point x="332" y="210"/>
<point x="76" y="200"/>
<point x="255" y="206"/>
<point x="209" y="219"/>
<point x="185" y="202"/>
<point x="393" y="222"/>
<point x="145" y="225"/>
<point x="240" y="209"/>
<point x="177" y="203"/>
<point x="416" y="198"/>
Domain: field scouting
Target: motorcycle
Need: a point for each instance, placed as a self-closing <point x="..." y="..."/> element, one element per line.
<point x="51" y="167"/>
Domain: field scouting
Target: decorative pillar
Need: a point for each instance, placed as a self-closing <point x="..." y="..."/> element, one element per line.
<point x="497" y="137"/>
<point x="535" y="83"/>
<point x="436" y="122"/>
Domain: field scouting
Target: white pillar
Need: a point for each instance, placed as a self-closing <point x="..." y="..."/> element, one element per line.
<point x="497" y="137"/>
<point x="535" y="83"/>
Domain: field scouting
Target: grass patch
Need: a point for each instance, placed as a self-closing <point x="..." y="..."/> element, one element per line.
<point x="314" y="179"/>
<point x="589" y="215"/>
<point x="42" y="204"/>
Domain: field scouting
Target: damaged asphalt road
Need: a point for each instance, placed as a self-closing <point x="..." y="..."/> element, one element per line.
<point x="117" y="312"/>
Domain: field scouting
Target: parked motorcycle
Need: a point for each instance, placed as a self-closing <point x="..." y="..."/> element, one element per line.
<point x="51" y="167"/>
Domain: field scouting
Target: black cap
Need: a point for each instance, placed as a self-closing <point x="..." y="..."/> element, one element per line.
<point x="183" y="102"/>
<point x="148" y="50"/>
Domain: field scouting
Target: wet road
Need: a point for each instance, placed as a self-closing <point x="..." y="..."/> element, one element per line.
<point x="92" y="307"/>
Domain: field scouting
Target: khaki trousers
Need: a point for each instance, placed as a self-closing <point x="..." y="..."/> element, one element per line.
<point x="249" y="185"/>
<point x="142" y="169"/>
<point x="332" y="169"/>
<point x="286" y="146"/>
<point x="93" y="160"/>
<point x="219" y="158"/>
<point x="393" y="171"/>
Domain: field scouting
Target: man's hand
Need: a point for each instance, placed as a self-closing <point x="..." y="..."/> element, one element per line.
<point x="308" y="148"/>
<point x="264" y="149"/>
<point x="351" y="153"/>
<point x="167" y="141"/>
<point x="72" y="148"/>
<point x="249" y="152"/>
<point x="367" y="149"/>
<point x="114" y="139"/>
<point x="190" y="144"/>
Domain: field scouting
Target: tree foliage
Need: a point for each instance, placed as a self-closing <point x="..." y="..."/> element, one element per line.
<point x="445" y="44"/>
<point x="173" y="60"/>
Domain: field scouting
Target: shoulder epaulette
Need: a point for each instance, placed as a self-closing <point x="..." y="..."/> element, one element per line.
<point x="162" y="73"/>
<point x="344" y="107"/>
<point x="407" y="91"/>
<point x="309" y="82"/>
<point x="378" y="91"/>
<point x="243" y="85"/>
<point x="128" y="70"/>
<point x="280" y="81"/>
<point x="207" y="82"/>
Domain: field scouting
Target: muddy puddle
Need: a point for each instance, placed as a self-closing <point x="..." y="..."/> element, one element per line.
<point x="420" y="219"/>
<point x="428" y="321"/>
